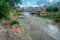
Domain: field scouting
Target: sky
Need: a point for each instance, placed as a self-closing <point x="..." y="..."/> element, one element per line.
<point x="37" y="3"/>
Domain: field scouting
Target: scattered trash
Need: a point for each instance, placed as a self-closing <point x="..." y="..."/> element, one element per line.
<point x="16" y="30"/>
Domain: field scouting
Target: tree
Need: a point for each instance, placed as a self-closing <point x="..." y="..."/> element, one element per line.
<point x="52" y="9"/>
<point x="55" y="9"/>
<point x="4" y="9"/>
<point x="49" y="9"/>
<point x="13" y="2"/>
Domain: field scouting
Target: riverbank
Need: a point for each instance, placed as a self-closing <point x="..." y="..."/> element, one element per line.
<point x="7" y="25"/>
<point x="54" y="18"/>
<point x="57" y="23"/>
<point x="6" y="34"/>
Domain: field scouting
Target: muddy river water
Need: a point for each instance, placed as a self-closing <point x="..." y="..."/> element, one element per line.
<point x="40" y="28"/>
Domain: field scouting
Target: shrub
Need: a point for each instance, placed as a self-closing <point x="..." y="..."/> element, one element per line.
<point x="38" y="14"/>
<point x="57" y="20"/>
<point x="52" y="9"/>
<point x="4" y="9"/>
<point x="57" y="17"/>
<point x="46" y="16"/>
<point x="15" y="22"/>
<point x="15" y="14"/>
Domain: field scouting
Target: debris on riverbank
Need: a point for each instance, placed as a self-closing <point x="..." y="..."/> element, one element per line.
<point x="4" y="35"/>
<point x="6" y="27"/>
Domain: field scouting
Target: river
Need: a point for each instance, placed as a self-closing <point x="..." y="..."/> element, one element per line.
<point x="40" y="28"/>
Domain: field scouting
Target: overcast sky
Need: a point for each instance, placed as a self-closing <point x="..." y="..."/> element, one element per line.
<point x="34" y="3"/>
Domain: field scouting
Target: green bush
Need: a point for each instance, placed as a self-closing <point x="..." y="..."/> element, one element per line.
<point x="57" y="20"/>
<point x="4" y="9"/>
<point x="15" y="22"/>
<point x="46" y="16"/>
<point x="15" y="14"/>
<point x="57" y="17"/>
<point x="38" y="14"/>
<point x="52" y="9"/>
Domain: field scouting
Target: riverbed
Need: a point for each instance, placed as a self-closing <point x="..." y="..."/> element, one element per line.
<point x="40" y="28"/>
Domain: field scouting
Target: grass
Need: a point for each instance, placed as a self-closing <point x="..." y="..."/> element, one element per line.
<point x="53" y="16"/>
<point x="15" y="22"/>
<point x="15" y="14"/>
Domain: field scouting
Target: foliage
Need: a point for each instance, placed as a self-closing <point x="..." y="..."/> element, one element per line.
<point x="57" y="20"/>
<point x="55" y="17"/>
<point x="49" y="9"/>
<point x="15" y="22"/>
<point x="15" y="14"/>
<point x="13" y="2"/>
<point x="38" y="14"/>
<point x="4" y="9"/>
<point x="55" y="9"/>
<point x="52" y="9"/>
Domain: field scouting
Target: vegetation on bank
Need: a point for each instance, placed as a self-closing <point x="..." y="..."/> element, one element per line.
<point x="4" y="10"/>
<point x="52" y="9"/>
<point x="7" y="17"/>
<point x="15" y="22"/>
<point x="52" y="12"/>
<point x="54" y="17"/>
